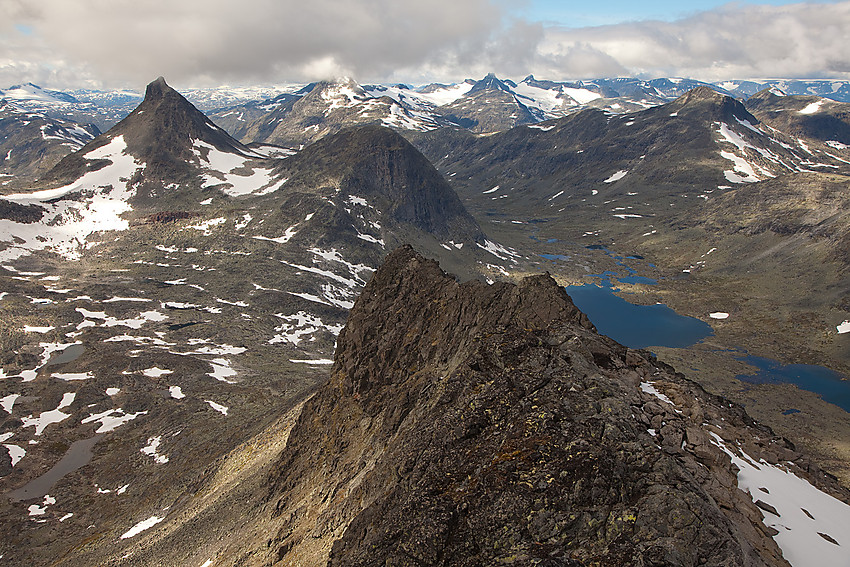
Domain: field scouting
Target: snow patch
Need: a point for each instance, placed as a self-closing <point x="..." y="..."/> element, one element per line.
<point x="155" y="372"/>
<point x="142" y="526"/>
<point x="813" y="107"/>
<point x="650" y="388"/>
<point x="152" y="450"/>
<point x="218" y="407"/>
<point x="318" y="361"/>
<point x="499" y="251"/>
<point x="111" y="419"/>
<point x="617" y="176"/>
<point x="745" y="172"/>
<point x="8" y="402"/>
<point x="222" y="370"/>
<point x="42" y="330"/>
<point x="71" y="376"/>
<point x="290" y="232"/>
<point x="41" y="422"/>
<point x="804" y="512"/>
<point x="299" y="326"/>
<point x="100" y="198"/>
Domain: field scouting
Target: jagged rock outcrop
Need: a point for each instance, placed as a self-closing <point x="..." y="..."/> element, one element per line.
<point x="467" y="424"/>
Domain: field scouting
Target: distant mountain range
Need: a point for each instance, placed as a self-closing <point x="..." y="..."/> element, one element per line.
<point x="541" y="98"/>
<point x="176" y="290"/>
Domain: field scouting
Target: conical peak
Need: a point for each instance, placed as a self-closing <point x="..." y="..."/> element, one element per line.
<point x="157" y="89"/>
<point x="489" y="83"/>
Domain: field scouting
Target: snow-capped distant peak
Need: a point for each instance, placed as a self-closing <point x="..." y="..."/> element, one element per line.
<point x="31" y="92"/>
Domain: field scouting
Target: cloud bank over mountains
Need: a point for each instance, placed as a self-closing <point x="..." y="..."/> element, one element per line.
<point x="212" y="42"/>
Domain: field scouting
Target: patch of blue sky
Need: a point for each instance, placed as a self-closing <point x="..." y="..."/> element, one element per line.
<point x="575" y="13"/>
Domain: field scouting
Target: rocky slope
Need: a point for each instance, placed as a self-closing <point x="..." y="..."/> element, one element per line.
<point x="31" y="143"/>
<point x="811" y="204"/>
<point x="170" y="303"/>
<point x="467" y="424"/>
<point x="811" y="117"/>
<point x="329" y="107"/>
<point x="693" y="145"/>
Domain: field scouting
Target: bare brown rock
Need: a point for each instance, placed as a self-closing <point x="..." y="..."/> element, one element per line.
<point x="467" y="424"/>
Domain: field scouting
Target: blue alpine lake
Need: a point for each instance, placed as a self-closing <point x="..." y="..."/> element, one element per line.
<point x="642" y="326"/>
<point x="637" y="326"/>
<point x="637" y="280"/>
<point x="818" y="379"/>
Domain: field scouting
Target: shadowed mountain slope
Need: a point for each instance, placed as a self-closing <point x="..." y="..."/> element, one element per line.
<point x="379" y="165"/>
<point x="31" y="143"/>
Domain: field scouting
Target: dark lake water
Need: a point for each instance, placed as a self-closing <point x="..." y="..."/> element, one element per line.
<point x="637" y="280"/>
<point x="78" y="455"/>
<point x="637" y="326"/>
<point x="70" y="353"/>
<point x="818" y="379"/>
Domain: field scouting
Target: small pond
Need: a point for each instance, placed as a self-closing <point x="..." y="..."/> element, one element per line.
<point x="78" y="455"/>
<point x="69" y="354"/>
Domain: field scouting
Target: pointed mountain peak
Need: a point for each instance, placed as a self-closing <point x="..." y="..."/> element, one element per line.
<point x="157" y="89"/>
<point x="163" y="132"/>
<point x="489" y="83"/>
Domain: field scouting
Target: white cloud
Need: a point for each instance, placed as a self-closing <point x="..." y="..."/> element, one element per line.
<point x="197" y="42"/>
<point x="734" y="41"/>
<point x="194" y="41"/>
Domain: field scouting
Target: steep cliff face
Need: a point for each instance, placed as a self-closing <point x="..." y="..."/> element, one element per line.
<point x="467" y="424"/>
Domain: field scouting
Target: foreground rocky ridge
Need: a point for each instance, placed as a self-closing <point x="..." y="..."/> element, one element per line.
<point x="467" y="424"/>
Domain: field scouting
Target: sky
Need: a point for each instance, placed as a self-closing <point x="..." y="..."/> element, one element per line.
<point x="573" y="13"/>
<point x="193" y="43"/>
